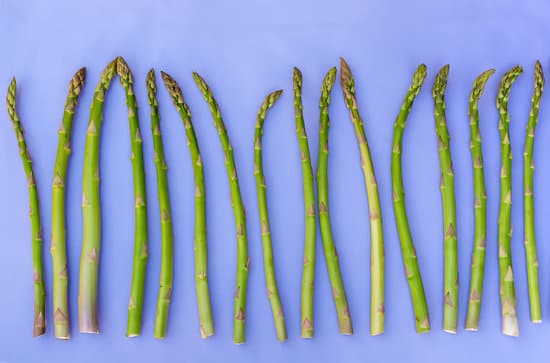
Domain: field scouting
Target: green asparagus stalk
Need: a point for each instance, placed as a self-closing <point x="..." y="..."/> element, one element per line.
<point x="58" y="246"/>
<point x="270" y="280"/>
<point x="91" y="210"/>
<point x="39" y="325"/>
<point x="450" y="288"/>
<point x="376" y="230"/>
<point x="167" y="237"/>
<point x="308" y="274"/>
<point x="507" y="288"/>
<point x="243" y="260"/>
<point x="135" y="305"/>
<point x="480" y="204"/>
<point x="201" y="255"/>
<point x="408" y="251"/>
<point x="331" y="255"/>
<point x="528" y="204"/>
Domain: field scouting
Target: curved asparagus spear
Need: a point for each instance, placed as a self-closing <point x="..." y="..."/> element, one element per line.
<point x="58" y="246"/>
<point x="450" y="288"/>
<point x="528" y="204"/>
<point x="376" y="230"/>
<point x="331" y="255"/>
<point x="410" y="260"/>
<point x="507" y="288"/>
<point x="135" y="305"/>
<point x="308" y="274"/>
<point x="167" y="237"/>
<point x="91" y="210"/>
<point x="243" y="261"/>
<point x="39" y="325"/>
<point x="480" y="204"/>
<point x="201" y="255"/>
<point x="270" y="280"/>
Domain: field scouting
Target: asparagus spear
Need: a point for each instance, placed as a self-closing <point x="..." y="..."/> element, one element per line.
<point x="167" y="259"/>
<point x="135" y="305"/>
<point x="331" y="255"/>
<point x="377" y="236"/>
<point x="507" y="289"/>
<point x="528" y="204"/>
<point x="270" y="280"/>
<point x="58" y="247"/>
<point x="243" y="260"/>
<point x="201" y="256"/>
<point x="450" y="288"/>
<point x="410" y="260"/>
<point x="308" y="275"/>
<point x="39" y="325"/>
<point x="91" y="232"/>
<point x="480" y="204"/>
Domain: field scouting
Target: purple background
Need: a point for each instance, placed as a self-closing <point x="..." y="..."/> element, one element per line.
<point x="244" y="50"/>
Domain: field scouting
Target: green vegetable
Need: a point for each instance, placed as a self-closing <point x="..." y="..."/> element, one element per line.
<point x="507" y="288"/>
<point x="39" y="325"/>
<point x="450" y="288"/>
<point x="270" y="280"/>
<point x="91" y="210"/>
<point x="167" y="237"/>
<point x="376" y="230"/>
<point x="408" y="251"/>
<point x="308" y="275"/>
<point x="135" y="305"/>
<point x="480" y="204"/>
<point x="243" y="260"/>
<point x="201" y="256"/>
<point x="532" y="262"/>
<point x="58" y="246"/>
<point x="331" y="255"/>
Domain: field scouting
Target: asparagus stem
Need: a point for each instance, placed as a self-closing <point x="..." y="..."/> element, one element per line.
<point x="270" y="280"/>
<point x="408" y="251"/>
<point x="308" y="274"/>
<point x="201" y="255"/>
<point x="450" y="288"/>
<point x="91" y="210"/>
<point x="528" y="204"/>
<point x="243" y="260"/>
<point x="167" y="237"/>
<point x="39" y="325"/>
<point x="480" y="204"/>
<point x="507" y="289"/>
<point x="376" y="230"/>
<point x="331" y="255"/>
<point x="58" y="246"/>
<point x="135" y="305"/>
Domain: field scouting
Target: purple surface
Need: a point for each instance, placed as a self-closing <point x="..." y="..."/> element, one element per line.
<point x="244" y="50"/>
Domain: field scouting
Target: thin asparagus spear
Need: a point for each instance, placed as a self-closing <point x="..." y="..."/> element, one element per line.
<point x="480" y="204"/>
<point x="376" y="231"/>
<point x="91" y="210"/>
<point x="528" y="204"/>
<point x="167" y="259"/>
<point x="39" y="325"/>
<point x="408" y="251"/>
<point x="135" y="305"/>
<point x="243" y="261"/>
<point x="201" y="255"/>
<point x="331" y="255"/>
<point x="308" y="274"/>
<point x="270" y="280"/>
<point x="58" y="246"/>
<point x="507" y="288"/>
<point x="450" y="288"/>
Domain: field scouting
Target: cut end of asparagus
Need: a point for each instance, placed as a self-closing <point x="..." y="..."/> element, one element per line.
<point x="510" y="326"/>
<point x="450" y="331"/>
<point x="471" y="328"/>
<point x="440" y="84"/>
<point x="536" y="321"/>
